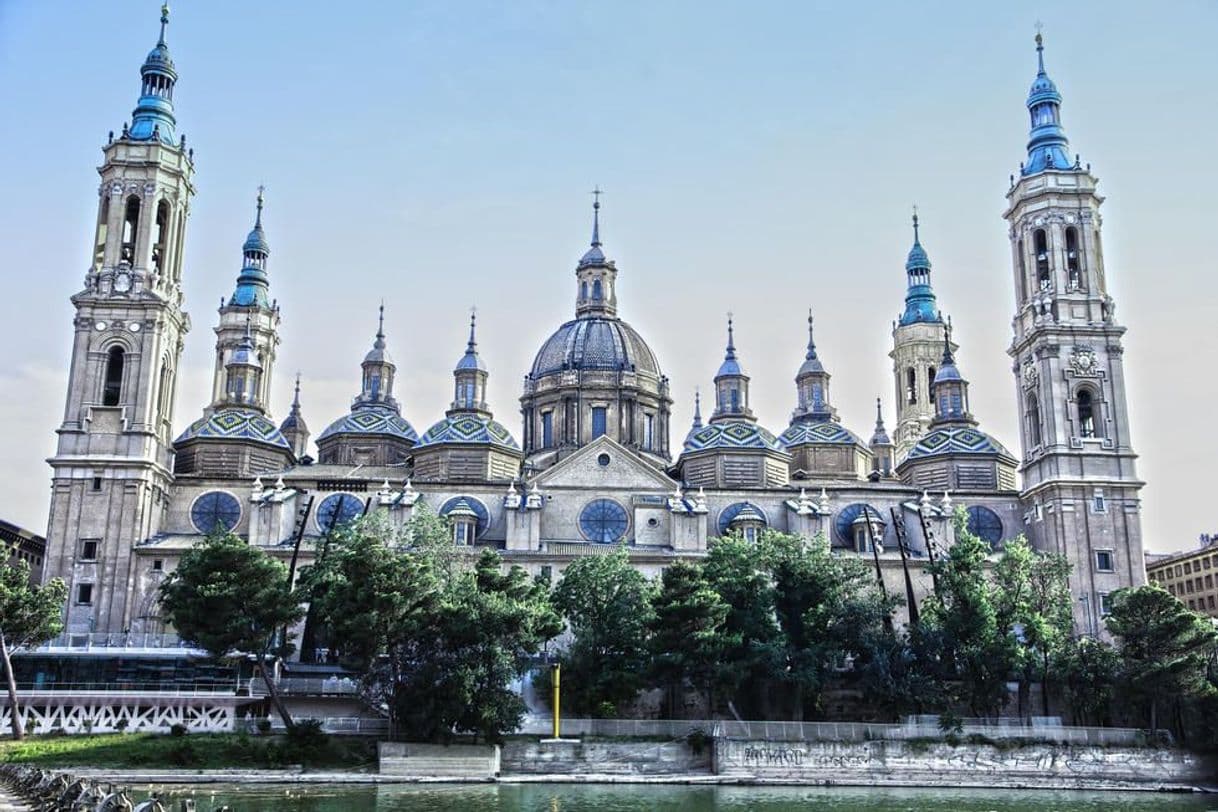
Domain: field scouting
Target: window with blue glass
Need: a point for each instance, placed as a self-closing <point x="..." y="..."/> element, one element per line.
<point x="547" y="429"/>
<point x="985" y="524"/>
<point x="338" y="509"/>
<point x="215" y="510"/>
<point x="603" y="521"/>
<point x="598" y="421"/>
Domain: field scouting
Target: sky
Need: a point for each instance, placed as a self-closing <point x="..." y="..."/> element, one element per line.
<point x="760" y="158"/>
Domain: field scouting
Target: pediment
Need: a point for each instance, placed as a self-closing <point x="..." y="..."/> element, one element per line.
<point x="605" y="463"/>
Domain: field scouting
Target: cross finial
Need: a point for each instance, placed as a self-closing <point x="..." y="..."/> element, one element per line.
<point x="380" y="320"/>
<point x="1040" y="46"/>
<point x="915" y="221"/>
<point x="473" y="317"/>
<point x="811" y="343"/>
<point x="258" y="219"/>
<point x="164" y="22"/>
<point x="596" y="215"/>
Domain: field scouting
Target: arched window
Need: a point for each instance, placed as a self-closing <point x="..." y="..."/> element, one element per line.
<point x="930" y="384"/>
<point x="583" y="290"/>
<point x="735" y="399"/>
<point x="597" y="291"/>
<point x="103" y="226"/>
<point x="1073" y="274"/>
<point x="131" y="222"/>
<point x="911" y="385"/>
<point x="1086" y="414"/>
<point x="1033" y="412"/>
<point x="162" y="235"/>
<point x="163" y="390"/>
<point x="114" y="377"/>
<point x="1043" y="279"/>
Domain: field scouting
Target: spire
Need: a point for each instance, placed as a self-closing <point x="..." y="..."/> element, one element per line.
<point x="730" y="365"/>
<point x="293" y="427"/>
<point x="812" y="385"/>
<point x="471" y="359"/>
<point x="253" y="285"/>
<point x="1047" y="144"/>
<point x="950" y="389"/>
<point x="378" y="354"/>
<point x="378" y="370"/>
<point x="153" y="115"/>
<point x="697" y="409"/>
<point x="812" y="364"/>
<point x="881" y="445"/>
<point x="594" y="256"/>
<point x="731" y="384"/>
<point x="469" y="377"/>
<point x="920" y="305"/>
<point x="596" y="276"/>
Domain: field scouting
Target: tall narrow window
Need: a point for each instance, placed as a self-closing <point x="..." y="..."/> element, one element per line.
<point x="103" y="226"/>
<point x="1043" y="280"/>
<point x="374" y="385"/>
<point x="1033" y="421"/>
<point x="911" y="385"/>
<point x="735" y="399"/>
<point x="597" y="291"/>
<point x="547" y="429"/>
<point x="1086" y="413"/>
<point x="163" y="390"/>
<point x="1073" y="275"/>
<point x="930" y="384"/>
<point x="649" y="431"/>
<point x="131" y="221"/>
<point x="598" y="421"/>
<point x="1023" y="272"/>
<point x="114" y="377"/>
<point x="162" y="235"/>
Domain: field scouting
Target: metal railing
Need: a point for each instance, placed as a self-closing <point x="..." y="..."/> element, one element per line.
<point x="914" y="728"/>
<point x="118" y="686"/>
<point x="336" y="725"/>
<point x="73" y="641"/>
<point x="308" y="686"/>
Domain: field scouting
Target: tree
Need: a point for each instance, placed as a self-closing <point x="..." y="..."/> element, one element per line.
<point x="1032" y="606"/>
<point x="974" y="650"/>
<point x="1088" y="669"/>
<point x="1164" y="647"/>
<point x="374" y="595"/>
<point x="455" y="673"/>
<point x="229" y="598"/>
<point x="29" y="615"/>
<point x="607" y="605"/>
<point x="826" y="607"/>
<point x="752" y="642"/>
<point x="687" y="641"/>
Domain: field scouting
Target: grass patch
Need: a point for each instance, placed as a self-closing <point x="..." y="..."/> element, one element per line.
<point x="204" y="751"/>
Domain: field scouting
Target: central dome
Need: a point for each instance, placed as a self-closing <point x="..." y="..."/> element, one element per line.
<point x="597" y="343"/>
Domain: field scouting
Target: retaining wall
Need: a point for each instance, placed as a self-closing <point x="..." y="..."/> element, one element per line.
<point x="466" y="761"/>
<point x="906" y="763"/>
<point x="604" y="758"/>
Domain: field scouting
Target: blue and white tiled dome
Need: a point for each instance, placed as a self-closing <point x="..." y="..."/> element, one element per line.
<point x="235" y="424"/>
<point x="826" y="431"/>
<point x="956" y="439"/>
<point x="469" y="429"/>
<point x="731" y="434"/>
<point x="595" y="343"/>
<point x="372" y="420"/>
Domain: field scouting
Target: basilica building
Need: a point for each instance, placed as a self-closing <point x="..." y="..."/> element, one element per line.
<point x="591" y="462"/>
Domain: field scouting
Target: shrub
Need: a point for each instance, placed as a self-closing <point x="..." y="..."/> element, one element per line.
<point x="697" y="740"/>
<point x="178" y="730"/>
<point x="264" y="726"/>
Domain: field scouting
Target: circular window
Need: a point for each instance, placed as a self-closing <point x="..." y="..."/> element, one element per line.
<point x="985" y="524"/>
<point x="602" y="460"/>
<point x="603" y="521"/>
<point x="653" y="522"/>
<point x="216" y="510"/>
<point x="338" y="509"/>
<point x="845" y="519"/>
<point x="484" y="518"/>
<point x="732" y="511"/>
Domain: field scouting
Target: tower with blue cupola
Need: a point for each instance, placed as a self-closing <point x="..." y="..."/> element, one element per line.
<point x="468" y="444"/>
<point x="917" y="342"/>
<point x="249" y="308"/>
<point x="112" y="468"/>
<point x="1081" y="491"/>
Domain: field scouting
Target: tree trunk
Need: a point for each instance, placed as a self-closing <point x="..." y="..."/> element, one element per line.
<point x="273" y="694"/>
<point x="1154" y="715"/>
<point x="14" y="708"/>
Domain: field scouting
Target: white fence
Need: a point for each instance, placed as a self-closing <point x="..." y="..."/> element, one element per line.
<point x="337" y="725"/>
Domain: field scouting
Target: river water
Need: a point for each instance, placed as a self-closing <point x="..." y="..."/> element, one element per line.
<point x="661" y="798"/>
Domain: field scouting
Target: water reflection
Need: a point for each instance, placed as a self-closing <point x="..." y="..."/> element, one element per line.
<point x="660" y="798"/>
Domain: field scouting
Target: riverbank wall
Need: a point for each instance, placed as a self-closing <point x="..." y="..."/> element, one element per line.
<point x="932" y="764"/>
<point x="604" y="758"/>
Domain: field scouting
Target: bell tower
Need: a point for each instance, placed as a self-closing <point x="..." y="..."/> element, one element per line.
<point x="1080" y="486"/>
<point x="112" y="467"/>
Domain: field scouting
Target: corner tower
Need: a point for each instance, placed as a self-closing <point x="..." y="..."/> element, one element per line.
<point x="917" y="343"/>
<point x="113" y="462"/>
<point x="1080" y="487"/>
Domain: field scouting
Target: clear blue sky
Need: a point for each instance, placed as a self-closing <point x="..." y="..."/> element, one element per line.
<point x="757" y="157"/>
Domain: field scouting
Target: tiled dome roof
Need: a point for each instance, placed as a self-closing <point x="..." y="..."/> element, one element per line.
<point x="956" y="440"/>
<point x="826" y="431"/>
<point x="372" y="420"/>
<point x="731" y="434"/>
<point x="235" y="424"/>
<point x="595" y="343"/>
<point x="468" y="429"/>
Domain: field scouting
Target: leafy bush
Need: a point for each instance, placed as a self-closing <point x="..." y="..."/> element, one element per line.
<point x="264" y="726"/>
<point x="178" y="730"/>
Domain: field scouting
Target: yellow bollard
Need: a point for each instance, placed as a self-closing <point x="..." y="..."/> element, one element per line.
<point x="556" y="674"/>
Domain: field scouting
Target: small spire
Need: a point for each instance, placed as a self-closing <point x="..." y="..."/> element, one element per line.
<point x="879" y="414"/>
<point x="731" y="339"/>
<point x="258" y="218"/>
<point x="811" y="356"/>
<point x="947" y="346"/>
<point x="472" y="346"/>
<point x="380" y="324"/>
<point x="596" y="216"/>
<point x="1040" y="49"/>
<point x="164" y="22"/>
<point x="915" y="225"/>
<point x="296" y="396"/>
<point x="697" y="408"/>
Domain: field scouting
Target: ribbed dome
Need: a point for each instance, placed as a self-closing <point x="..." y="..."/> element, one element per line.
<point x="731" y="434"/>
<point x="235" y="424"/>
<point x="804" y="432"/>
<point x="464" y="429"/>
<point x="956" y="440"/>
<point x="372" y="420"/>
<point x="595" y="343"/>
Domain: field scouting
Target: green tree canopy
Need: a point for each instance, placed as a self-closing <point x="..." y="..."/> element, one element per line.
<point x="229" y="598"/>
<point x="607" y="605"/>
<point x="687" y="634"/>
<point x="29" y="615"/>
